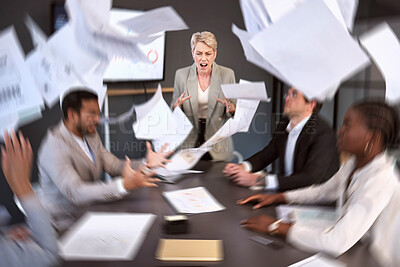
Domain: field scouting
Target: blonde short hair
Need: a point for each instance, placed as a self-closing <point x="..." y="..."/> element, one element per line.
<point x="206" y="37"/>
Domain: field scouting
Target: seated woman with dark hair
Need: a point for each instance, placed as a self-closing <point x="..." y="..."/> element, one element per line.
<point x="366" y="187"/>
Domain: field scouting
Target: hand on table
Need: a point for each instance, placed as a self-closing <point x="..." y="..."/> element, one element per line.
<point x="263" y="200"/>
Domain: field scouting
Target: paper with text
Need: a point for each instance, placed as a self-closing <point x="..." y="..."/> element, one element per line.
<point x="155" y="21"/>
<point x="186" y="159"/>
<point x="17" y="87"/>
<point x="193" y="200"/>
<point x="105" y="236"/>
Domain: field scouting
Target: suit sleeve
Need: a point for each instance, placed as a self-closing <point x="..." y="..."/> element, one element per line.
<point x="263" y="158"/>
<point x="7" y="200"/>
<point x="364" y="208"/>
<point x="41" y="250"/>
<point x="321" y="154"/>
<point x="60" y="168"/>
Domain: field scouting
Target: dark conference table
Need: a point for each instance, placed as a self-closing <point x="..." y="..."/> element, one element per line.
<point x="239" y="250"/>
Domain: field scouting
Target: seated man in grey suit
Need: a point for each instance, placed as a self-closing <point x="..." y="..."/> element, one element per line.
<point x="72" y="159"/>
<point x="40" y="247"/>
<point x="305" y="145"/>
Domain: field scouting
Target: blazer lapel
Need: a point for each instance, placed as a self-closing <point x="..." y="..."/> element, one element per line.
<point x="192" y="87"/>
<point x="215" y="91"/>
<point x="69" y="139"/>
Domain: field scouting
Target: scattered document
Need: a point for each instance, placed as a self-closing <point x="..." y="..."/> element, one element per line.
<point x="318" y="260"/>
<point x="189" y="250"/>
<point x="97" y="36"/>
<point x="38" y="36"/>
<point x="155" y="21"/>
<point x="11" y="121"/>
<point x="260" y="14"/>
<point x="244" y="114"/>
<point x="245" y="110"/>
<point x="252" y="55"/>
<point x="121" y="68"/>
<point x="168" y="176"/>
<point x="17" y="86"/>
<point x="29" y="115"/>
<point x="349" y="11"/>
<point x="321" y="218"/>
<point x="154" y="119"/>
<point x="246" y="90"/>
<point x="193" y="200"/>
<point x="320" y="53"/>
<point x="8" y="122"/>
<point x="182" y="130"/>
<point x="186" y="159"/>
<point x="277" y="9"/>
<point x="105" y="236"/>
<point x="66" y="45"/>
<point x="384" y="47"/>
<point x="255" y="15"/>
<point x="51" y="73"/>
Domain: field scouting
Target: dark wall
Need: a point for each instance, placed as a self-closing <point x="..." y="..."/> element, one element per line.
<point x="210" y="15"/>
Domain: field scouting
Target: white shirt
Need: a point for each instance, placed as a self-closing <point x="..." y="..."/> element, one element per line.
<point x="370" y="206"/>
<point x="291" y="144"/>
<point x="202" y="98"/>
<point x="271" y="180"/>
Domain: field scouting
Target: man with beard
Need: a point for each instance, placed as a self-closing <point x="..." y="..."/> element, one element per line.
<point x="72" y="159"/>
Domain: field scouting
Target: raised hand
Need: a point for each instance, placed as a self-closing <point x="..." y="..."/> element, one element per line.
<point x="181" y="99"/>
<point x="16" y="162"/>
<point x="229" y="106"/>
<point x="136" y="179"/>
<point x="157" y="159"/>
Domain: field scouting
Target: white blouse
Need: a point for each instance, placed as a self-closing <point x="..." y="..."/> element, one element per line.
<point x="202" y="98"/>
<point x="369" y="207"/>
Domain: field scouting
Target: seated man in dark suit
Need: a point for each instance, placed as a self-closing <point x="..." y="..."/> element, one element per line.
<point x="304" y="143"/>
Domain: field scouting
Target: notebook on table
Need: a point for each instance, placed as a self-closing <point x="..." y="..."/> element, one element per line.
<point x="189" y="250"/>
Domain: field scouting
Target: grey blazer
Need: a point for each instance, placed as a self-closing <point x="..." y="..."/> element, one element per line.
<point x="186" y="81"/>
<point x="69" y="179"/>
<point x="41" y="249"/>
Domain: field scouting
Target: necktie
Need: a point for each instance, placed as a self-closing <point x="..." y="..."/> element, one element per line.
<point x="91" y="152"/>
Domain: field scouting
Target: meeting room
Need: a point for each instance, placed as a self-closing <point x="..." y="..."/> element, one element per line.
<point x="200" y="133"/>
